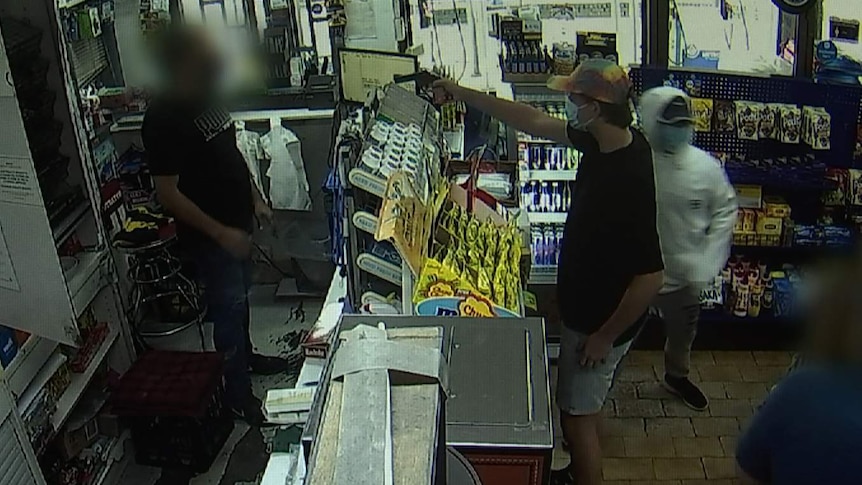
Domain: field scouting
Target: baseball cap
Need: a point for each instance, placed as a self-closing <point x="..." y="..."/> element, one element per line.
<point x="598" y="79"/>
<point x="677" y="110"/>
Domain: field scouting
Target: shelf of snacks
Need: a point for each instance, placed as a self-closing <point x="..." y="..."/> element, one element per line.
<point x="475" y="261"/>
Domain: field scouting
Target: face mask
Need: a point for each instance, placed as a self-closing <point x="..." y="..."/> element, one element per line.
<point x="572" y="113"/>
<point x="672" y="138"/>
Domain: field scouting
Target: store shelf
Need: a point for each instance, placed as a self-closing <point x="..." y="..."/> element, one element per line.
<point x="365" y="221"/>
<point x="31" y="357"/>
<point x="71" y="222"/>
<point x="85" y="279"/>
<point x="543" y="275"/>
<point x="526" y="138"/>
<point x="547" y="217"/>
<point x="79" y="383"/>
<point x="549" y="175"/>
<point x="117" y="460"/>
<point x="39" y="381"/>
<point x="790" y="251"/>
<point x="368" y="182"/>
<point x="70" y="3"/>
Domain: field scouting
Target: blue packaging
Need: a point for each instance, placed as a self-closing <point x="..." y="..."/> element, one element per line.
<point x="8" y="346"/>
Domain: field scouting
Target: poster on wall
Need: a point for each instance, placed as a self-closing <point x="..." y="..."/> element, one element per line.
<point x="8" y="279"/>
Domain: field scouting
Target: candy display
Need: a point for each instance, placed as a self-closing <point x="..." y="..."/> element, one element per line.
<point x="702" y="110"/>
<point x="748" y="120"/>
<point x="725" y="116"/>
<point x="753" y="290"/>
<point x="476" y="256"/>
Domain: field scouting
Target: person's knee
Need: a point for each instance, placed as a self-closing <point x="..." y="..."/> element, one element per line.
<point x="583" y="422"/>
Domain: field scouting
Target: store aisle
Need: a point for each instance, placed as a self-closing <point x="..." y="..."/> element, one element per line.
<point x="652" y="438"/>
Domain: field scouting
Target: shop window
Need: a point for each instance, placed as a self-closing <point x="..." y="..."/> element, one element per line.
<point x="748" y="36"/>
<point x="841" y="20"/>
<point x="456" y="35"/>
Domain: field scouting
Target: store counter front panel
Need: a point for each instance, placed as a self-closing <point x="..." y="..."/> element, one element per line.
<point x="489" y="394"/>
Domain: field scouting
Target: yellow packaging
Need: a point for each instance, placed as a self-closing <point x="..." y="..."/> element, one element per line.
<point x="776" y="207"/>
<point x="768" y="226"/>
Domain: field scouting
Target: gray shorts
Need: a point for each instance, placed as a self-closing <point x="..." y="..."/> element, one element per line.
<point x="581" y="391"/>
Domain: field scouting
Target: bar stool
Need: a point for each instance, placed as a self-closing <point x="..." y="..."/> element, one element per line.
<point x="162" y="301"/>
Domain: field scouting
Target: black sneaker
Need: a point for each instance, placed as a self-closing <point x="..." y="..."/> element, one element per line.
<point x="562" y="477"/>
<point x="267" y="366"/>
<point x="690" y="394"/>
<point x="251" y="412"/>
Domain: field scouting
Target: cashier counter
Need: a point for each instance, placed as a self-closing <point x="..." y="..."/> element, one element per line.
<point x="498" y="409"/>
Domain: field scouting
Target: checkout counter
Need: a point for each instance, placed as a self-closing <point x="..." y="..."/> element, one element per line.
<point x="498" y="408"/>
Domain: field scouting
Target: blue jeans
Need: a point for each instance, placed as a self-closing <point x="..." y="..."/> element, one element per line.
<point x="226" y="283"/>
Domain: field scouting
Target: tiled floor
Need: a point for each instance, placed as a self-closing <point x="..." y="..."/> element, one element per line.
<point x="650" y="438"/>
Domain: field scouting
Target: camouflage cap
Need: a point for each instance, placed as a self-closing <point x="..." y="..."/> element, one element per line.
<point x="598" y="79"/>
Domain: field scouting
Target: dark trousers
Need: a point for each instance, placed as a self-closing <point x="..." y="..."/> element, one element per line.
<point x="226" y="282"/>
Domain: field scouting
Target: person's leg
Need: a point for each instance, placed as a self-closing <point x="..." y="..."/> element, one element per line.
<point x="226" y="298"/>
<point x="681" y="311"/>
<point x="581" y="394"/>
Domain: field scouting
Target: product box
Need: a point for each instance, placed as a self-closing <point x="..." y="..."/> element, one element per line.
<point x="749" y="196"/>
<point x="839" y="196"/>
<point x="855" y="182"/>
<point x="791" y="123"/>
<point x="748" y="120"/>
<point x="768" y="230"/>
<point x="72" y="441"/>
<point x="8" y="346"/>
<point x="725" y="116"/>
<point x="317" y="342"/>
<point x="776" y="207"/>
<point x="702" y="110"/>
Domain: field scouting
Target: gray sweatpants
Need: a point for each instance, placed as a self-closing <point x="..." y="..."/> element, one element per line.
<point x="680" y="311"/>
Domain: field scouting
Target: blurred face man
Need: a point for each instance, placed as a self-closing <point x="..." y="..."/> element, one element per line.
<point x="192" y="62"/>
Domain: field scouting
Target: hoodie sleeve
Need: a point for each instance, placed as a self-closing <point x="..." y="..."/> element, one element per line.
<point x="723" y="208"/>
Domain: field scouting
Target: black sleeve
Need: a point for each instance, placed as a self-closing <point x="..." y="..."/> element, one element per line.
<point x="582" y="141"/>
<point x="643" y="251"/>
<point x="166" y="152"/>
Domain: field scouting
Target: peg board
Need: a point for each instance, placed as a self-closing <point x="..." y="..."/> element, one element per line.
<point x="843" y="103"/>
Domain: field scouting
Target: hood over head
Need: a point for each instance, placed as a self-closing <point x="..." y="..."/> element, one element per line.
<point x="663" y="106"/>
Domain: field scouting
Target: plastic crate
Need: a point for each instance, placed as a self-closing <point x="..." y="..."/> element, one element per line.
<point x="173" y="404"/>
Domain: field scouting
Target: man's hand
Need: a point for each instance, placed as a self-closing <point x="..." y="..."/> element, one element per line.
<point x="263" y="213"/>
<point x="235" y="241"/>
<point x="596" y="349"/>
<point x="446" y="90"/>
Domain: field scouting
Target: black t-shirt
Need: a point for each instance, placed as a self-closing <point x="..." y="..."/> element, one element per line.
<point x="198" y="143"/>
<point x="610" y="235"/>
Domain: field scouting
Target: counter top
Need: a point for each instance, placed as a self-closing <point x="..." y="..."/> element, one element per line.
<point x="499" y="394"/>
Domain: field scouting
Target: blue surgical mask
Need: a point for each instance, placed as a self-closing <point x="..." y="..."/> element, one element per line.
<point x="573" y="112"/>
<point x="671" y="139"/>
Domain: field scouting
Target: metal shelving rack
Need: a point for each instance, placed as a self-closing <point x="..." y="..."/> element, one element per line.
<point x="40" y="292"/>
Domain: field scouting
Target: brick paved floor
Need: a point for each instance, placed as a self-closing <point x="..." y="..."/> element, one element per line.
<point x="651" y="438"/>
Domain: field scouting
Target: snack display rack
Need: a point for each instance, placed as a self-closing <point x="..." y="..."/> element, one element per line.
<point x="58" y="283"/>
<point x="414" y="244"/>
<point x="787" y="146"/>
<point x="403" y="136"/>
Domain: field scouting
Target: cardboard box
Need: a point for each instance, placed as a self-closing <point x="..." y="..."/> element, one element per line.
<point x="749" y="196"/>
<point x="769" y="226"/>
<point x="72" y="441"/>
<point x="776" y="207"/>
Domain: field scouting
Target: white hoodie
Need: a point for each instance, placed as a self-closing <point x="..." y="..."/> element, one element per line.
<point x="696" y="205"/>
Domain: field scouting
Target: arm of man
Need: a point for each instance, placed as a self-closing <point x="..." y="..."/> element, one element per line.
<point x="723" y="208"/>
<point x="519" y="116"/>
<point x="235" y="241"/>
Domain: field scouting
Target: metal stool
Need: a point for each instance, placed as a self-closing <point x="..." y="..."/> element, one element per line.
<point x="162" y="302"/>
